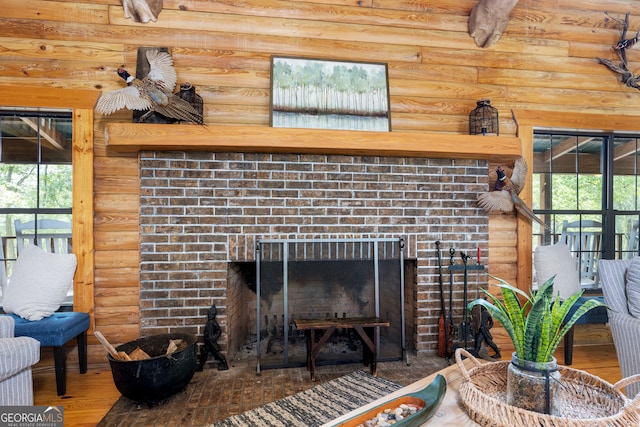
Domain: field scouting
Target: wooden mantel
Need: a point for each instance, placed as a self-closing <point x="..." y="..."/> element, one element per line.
<point x="133" y="137"/>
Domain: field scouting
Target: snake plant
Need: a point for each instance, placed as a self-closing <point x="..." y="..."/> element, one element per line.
<point x="535" y="323"/>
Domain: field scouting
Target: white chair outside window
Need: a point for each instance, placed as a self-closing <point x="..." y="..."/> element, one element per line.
<point x="52" y="235"/>
<point x="632" y="250"/>
<point x="584" y="239"/>
<point x="3" y="272"/>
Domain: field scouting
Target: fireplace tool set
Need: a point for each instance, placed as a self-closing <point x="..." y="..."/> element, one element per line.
<point x="470" y="330"/>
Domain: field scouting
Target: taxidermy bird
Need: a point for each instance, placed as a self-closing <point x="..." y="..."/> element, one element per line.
<point x="628" y="43"/>
<point x="154" y="92"/>
<point x="504" y="196"/>
<point x="624" y="44"/>
<point x="188" y="93"/>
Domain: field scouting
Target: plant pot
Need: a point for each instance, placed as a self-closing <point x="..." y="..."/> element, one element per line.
<point x="534" y="386"/>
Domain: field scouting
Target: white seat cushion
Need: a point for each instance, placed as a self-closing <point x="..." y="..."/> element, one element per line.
<point x="39" y="283"/>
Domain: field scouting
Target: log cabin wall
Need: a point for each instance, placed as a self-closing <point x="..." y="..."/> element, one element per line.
<point x="544" y="61"/>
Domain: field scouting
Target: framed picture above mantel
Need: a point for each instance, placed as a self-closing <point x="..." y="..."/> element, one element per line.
<point x="328" y="94"/>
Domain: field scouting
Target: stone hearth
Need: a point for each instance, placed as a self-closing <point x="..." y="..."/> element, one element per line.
<point x="202" y="213"/>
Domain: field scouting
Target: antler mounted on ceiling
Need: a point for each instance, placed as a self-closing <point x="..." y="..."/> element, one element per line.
<point x="142" y="10"/>
<point x="488" y="20"/>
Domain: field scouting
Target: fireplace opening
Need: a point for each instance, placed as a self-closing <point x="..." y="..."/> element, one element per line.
<point x="317" y="279"/>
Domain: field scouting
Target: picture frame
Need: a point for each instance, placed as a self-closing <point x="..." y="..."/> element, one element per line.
<point x="329" y="94"/>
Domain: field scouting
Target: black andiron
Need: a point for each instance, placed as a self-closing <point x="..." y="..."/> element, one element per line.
<point x="211" y="334"/>
<point x="481" y="322"/>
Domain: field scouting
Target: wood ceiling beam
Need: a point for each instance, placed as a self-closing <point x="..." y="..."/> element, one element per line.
<point x="48" y="132"/>
<point x="565" y="147"/>
<point x="625" y="150"/>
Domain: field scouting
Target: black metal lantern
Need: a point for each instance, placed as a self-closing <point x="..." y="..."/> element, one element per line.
<point x="483" y="120"/>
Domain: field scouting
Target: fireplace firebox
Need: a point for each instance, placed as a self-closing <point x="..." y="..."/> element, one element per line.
<point x="327" y="278"/>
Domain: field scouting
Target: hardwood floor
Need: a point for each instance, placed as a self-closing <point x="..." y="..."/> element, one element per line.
<point x="90" y="396"/>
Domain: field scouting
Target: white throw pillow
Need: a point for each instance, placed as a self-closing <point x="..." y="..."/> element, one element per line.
<point x="633" y="287"/>
<point x="556" y="259"/>
<point x="39" y="283"/>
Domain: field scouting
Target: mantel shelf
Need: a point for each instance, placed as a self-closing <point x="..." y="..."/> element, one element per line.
<point x="134" y="137"/>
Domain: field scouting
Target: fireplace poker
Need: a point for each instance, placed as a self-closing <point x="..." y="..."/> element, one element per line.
<point x="465" y="330"/>
<point x="445" y="344"/>
<point x="452" y="252"/>
<point x="478" y="268"/>
<point x="478" y="264"/>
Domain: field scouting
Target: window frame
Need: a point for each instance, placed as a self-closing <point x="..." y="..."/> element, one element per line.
<point x="81" y="103"/>
<point x="529" y="120"/>
<point x="37" y="212"/>
<point x="611" y="245"/>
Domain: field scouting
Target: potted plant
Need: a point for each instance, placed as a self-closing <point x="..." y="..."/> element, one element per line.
<point x="535" y="323"/>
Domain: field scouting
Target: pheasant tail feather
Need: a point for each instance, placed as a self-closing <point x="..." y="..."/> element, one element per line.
<point x="180" y="109"/>
<point x="523" y="209"/>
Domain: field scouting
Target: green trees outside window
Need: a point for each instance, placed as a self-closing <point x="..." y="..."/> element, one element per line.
<point x="579" y="177"/>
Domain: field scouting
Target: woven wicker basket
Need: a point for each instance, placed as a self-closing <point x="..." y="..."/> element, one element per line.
<point x="587" y="400"/>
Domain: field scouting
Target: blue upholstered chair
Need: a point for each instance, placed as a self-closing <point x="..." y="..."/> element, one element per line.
<point x="35" y="291"/>
<point x="55" y="331"/>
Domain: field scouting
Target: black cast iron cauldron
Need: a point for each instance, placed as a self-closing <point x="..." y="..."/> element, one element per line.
<point x="153" y="379"/>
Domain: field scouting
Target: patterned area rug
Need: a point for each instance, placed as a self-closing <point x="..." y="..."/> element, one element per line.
<point x="232" y="396"/>
<point x="318" y="405"/>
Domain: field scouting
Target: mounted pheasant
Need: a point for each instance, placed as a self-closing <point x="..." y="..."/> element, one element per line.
<point x="154" y="92"/>
<point x="504" y="195"/>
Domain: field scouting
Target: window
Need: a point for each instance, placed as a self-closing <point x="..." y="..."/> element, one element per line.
<point x="625" y="203"/>
<point x="35" y="183"/>
<point x="590" y="181"/>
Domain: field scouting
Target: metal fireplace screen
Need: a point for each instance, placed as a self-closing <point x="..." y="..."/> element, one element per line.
<point x="325" y="278"/>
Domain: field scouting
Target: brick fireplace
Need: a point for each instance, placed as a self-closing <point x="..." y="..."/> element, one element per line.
<point x="203" y="212"/>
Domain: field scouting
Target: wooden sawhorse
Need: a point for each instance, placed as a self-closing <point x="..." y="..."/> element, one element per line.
<point x="366" y="327"/>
